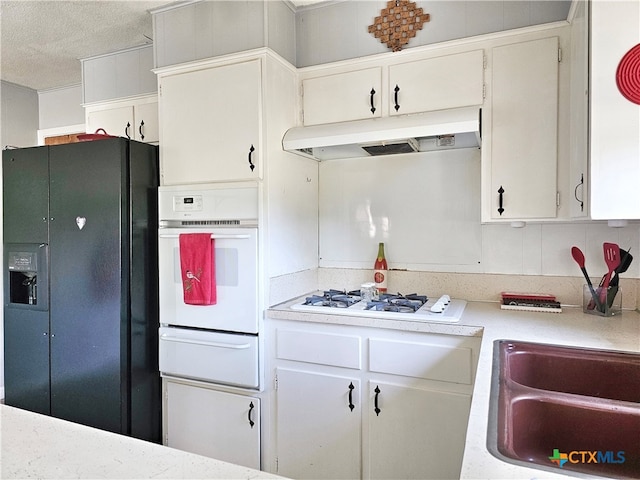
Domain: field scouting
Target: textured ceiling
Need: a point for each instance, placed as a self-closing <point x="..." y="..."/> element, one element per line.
<point x="42" y="41"/>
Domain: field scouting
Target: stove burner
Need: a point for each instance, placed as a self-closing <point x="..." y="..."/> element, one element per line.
<point x="386" y="302"/>
<point x="380" y="306"/>
<point x="334" y="299"/>
<point x="397" y="303"/>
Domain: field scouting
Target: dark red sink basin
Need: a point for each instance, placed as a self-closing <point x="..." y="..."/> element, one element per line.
<point x="594" y="373"/>
<point x="566" y="409"/>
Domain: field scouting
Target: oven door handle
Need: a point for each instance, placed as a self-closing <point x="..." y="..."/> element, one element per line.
<point x="214" y="236"/>
<point x="234" y="346"/>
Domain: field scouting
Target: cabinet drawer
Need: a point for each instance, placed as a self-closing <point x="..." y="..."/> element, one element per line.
<point x="430" y="361"/>
<point x="209" y="356"/>
<point x="320" y="348"/>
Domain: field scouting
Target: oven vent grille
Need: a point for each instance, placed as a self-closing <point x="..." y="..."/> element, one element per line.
<point x="187" y="223"/>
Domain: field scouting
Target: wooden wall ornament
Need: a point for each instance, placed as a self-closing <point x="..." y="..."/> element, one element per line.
<point x="398" y="23"/>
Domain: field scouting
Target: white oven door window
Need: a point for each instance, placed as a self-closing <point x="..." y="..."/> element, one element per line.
<point x="236" y="265"/>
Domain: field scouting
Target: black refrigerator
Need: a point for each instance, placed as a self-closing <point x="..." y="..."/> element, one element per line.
<point x="81" y="282"/>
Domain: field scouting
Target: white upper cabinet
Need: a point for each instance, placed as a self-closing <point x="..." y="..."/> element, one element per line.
<point x="449" y="81"/>
<point x="136" y="119"/>
<point x="210" y="124"/>
<point x="342" y="97"/>
<point x="374" y="89"/>
<point x="522" y="160"/>
<point x="222" y="118"/>
<point x="615" y="120"/>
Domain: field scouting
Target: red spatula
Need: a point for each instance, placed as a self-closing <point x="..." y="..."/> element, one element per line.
<point x="578" y="256"/>
<point x="612" y="259"/>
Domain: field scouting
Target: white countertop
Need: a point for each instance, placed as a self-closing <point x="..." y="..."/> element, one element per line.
<point x="571" y="327"/>
<point x="39" y="446"/>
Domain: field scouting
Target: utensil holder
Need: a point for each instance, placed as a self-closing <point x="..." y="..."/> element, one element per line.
<point x="612" y="307"/>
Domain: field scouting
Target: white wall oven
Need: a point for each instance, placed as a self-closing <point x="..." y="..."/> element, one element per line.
<point x="217" y="342"/>
<point x="210" y="320"/>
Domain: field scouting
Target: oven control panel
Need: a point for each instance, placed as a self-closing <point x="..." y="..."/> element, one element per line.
<point x="208" y="202"/>
<point x="190" y="203"/>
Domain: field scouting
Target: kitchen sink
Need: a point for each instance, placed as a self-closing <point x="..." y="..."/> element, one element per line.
<point x="569" y="410"/>
<point x="593" y="373"/>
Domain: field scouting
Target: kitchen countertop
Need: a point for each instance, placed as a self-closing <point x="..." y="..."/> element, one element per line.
<point x="571" y="327"/>
<point x="39" y="446"/>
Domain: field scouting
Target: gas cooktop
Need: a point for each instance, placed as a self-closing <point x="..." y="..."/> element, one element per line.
<point x="412" y="307"/>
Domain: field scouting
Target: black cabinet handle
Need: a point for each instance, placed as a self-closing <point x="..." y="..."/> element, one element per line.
<point x="140" y="130"/>
<point x="351" y="405"/>
<point x="375" y="401"/>
<point x="373" y="109"/>
<point x="395" y="98"/>
<point x="126" y="130"/>
<point x="251" y="165"/>
<point x="575" y="192"/>
<point x="500" y="200"/>
<point x="251" y="407"/>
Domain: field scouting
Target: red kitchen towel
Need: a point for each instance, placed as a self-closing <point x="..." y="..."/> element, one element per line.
<point x="198" y="268"/>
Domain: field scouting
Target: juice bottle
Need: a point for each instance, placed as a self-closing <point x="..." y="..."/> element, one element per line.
<point x="380" y="270"/>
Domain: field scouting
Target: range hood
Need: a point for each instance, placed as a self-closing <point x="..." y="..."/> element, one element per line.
<point x="440" y="130"/>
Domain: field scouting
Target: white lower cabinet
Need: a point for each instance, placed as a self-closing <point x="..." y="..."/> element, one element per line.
<point x="318" y="434"/>
<point x="216" y="424"/>
<point x="415" y="432"/>
<point x="356" y="402"/>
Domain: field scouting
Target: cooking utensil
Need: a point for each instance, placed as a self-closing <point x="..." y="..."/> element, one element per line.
<point x="625" y="261"/>
<point x="612" y="259"/>
<point x="87" y="137"/>
<point x="578" y="256"/>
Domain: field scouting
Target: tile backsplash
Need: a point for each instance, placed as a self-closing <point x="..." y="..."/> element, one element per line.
<point x="479" y="287"/>
<point x="535" y="258"/>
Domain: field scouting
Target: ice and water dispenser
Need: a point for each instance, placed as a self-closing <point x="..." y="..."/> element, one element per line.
<point x="26" y="276"/>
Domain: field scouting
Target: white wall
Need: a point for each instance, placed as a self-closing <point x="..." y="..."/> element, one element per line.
<point x="60" y="107"/>
<point x="422" y="207"/>
<point x="19" y="115"/>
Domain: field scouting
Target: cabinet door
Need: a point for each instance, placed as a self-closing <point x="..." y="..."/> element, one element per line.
<point x="25" y="189"/>
<point x="210" y="124"/>
<point x="145" y="128"/>
<point x="579" y="105"/>
<point x="415" y="433"/>
<point x="318" y="434"/>
<point x="449" y="81"/>
<point x="342" y="97"/>
<point x="115" y="121"/>
<point x="215" y="424"/>
<point x="524" y="130"/>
